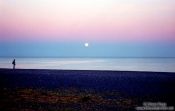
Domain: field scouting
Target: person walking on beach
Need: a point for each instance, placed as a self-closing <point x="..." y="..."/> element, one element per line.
<point x="14" y="63"/>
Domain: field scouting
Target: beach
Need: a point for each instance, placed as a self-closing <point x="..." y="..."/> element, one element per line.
<point x="72" y="90"/>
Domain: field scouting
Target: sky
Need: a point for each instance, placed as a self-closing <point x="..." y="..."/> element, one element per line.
<point x="113" y="28"/>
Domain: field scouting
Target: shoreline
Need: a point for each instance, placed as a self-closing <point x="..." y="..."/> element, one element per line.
<point x="51" y="70"/>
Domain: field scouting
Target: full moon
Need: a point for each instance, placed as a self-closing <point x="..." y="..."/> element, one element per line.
<point x="86" y="44"/>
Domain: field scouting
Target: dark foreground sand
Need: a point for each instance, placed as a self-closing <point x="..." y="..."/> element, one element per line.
<point x="77" y="90"/>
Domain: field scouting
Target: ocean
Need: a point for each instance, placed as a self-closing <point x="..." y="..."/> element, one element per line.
<point x="117" y="64"/>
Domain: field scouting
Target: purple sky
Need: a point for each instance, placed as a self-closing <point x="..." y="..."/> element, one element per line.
<point x="97" y="22"/>
<point x="87" y="20"/>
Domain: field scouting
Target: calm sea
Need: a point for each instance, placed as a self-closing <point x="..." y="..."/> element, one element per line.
<point x="124" y="64"/>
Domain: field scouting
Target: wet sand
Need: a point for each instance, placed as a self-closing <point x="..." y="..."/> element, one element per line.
<point x="44" y="90"/>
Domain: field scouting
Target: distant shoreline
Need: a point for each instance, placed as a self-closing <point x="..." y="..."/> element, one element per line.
<point x="74" y="70"/>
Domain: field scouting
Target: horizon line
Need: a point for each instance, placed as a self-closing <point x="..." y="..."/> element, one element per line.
<point x="82" y="57"/>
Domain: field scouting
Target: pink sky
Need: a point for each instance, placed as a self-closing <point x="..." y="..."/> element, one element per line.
<point x="109" y="20"/>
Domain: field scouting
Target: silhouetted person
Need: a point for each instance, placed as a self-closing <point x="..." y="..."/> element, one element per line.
<point x="14" y="63"/>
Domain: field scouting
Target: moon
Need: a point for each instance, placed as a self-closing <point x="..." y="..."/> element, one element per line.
<point x="86" y="44"/>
